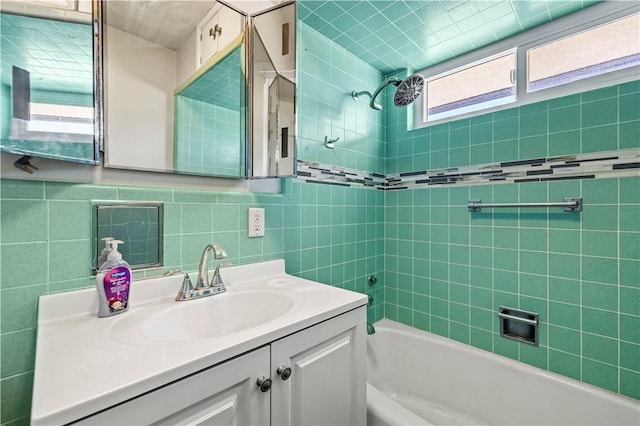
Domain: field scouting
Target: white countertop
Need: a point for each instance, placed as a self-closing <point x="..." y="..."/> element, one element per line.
<point x="85" y="364"/>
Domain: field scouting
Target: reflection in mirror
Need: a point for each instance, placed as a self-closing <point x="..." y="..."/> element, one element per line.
<point x="210" y="119"/>
<point x="47" y="80"/>
<point x="140" y="225"/>
<point x="281" y="115"/>
<point x="154" y="50"/>
<point x="273" y="93"/>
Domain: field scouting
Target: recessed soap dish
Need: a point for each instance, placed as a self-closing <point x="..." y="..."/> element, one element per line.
<point x="519" y="325"/>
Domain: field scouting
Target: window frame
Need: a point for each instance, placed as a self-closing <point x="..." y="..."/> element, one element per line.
<point x="580" y="21"/>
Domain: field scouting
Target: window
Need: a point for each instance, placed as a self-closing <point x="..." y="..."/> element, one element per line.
<point x="600" y="50"/>
<point x="54" y="118"/>
<point x="477" y="86"/>
<point x="593" y="48"/>
<point x="54" y="122"/>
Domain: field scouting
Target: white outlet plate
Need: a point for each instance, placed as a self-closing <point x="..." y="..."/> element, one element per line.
<point x="256" y="222"/>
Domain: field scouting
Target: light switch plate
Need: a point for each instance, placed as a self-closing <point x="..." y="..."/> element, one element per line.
<point x="256" y="222"/>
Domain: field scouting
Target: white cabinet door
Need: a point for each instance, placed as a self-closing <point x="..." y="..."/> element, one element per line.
<point x="209" y="43"/>
<point x="327" y="382"/>
<point x="226" y="394"/>
<point x="219" y="31"/>
<point x="230" y="24"/>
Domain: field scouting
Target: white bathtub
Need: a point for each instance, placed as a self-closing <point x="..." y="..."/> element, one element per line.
<point x="418" y="378"/>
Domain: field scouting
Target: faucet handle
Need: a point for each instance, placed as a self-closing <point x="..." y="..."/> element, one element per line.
<point x="217" y="278"/>
<point x="186" y="288"/>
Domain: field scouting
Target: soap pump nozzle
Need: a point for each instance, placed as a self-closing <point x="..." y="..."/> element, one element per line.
<point x="115" y="254"/>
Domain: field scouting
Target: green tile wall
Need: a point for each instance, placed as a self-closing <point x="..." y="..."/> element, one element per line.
<point x="330" y="234"/>
<point x="327" y="74"/>
<point x="600" y="120"/>
<point x="335" y="235"/>
<point x="448" y="271"/>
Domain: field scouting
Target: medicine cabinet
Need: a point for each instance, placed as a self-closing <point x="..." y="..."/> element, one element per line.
<point x="200" y="88"/>
<point x="175" y="87"/>
<point x="50" y="85"/>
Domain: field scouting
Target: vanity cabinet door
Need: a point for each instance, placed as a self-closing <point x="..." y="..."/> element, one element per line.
<point x="319" y="374"/>
<point x="225" y="394"/>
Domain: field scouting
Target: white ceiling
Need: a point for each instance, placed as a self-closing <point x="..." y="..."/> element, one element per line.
<point x="169" y="23"/>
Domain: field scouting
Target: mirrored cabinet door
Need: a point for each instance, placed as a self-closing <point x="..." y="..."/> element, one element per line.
<point x="175" y="85"/>
<point x="273" y="62"/>
<point x="49" y="55"/>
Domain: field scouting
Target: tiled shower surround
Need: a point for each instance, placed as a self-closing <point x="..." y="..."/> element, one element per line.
<point x="439" y="267"/>
<point x="448" y="270"/>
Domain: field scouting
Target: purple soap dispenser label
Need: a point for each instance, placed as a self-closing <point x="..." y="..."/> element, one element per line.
<point x="116" y="288"/>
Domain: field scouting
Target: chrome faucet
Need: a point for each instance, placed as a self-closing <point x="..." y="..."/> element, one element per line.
<point x="203" y="286"/>
<point x="202" y="283"/>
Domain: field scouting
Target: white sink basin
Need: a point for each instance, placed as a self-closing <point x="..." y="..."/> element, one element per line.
<point x="192" y="320"/>
<point x="215" y="316"/>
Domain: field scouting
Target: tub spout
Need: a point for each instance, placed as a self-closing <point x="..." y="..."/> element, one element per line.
<point x="370" y="328"/>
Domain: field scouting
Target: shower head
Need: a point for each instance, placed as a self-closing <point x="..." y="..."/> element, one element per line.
<point x="407" y="91"/>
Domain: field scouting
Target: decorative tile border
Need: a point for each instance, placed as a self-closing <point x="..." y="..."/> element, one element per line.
<point x="584" y="166"/>
<point x="335" y="175"/>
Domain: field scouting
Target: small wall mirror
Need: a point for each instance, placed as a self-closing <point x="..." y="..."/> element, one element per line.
<point x="48" y="58"/>
<point x="273" y="60"/>
<point x="140" y="225"/>
<point x="175" y="87"/>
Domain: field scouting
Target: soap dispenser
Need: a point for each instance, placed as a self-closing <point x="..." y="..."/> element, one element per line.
<point x="113" y="282"/>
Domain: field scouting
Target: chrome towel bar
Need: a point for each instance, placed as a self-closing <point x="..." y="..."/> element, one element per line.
<point x="569" y="205"/>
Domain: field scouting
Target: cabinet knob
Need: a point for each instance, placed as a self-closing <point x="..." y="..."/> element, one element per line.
<point x="264" y="383"/>
<point x="284" y="372"/>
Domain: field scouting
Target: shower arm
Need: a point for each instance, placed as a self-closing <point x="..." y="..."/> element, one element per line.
<point x="356" y="96"/>
<point x="387" y="81"/>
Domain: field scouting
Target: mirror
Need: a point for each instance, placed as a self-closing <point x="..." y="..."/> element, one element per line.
<point x="273" y="92"/>
<point x="139" y="225"/>
<point x="175" y="87"/>
<point x="48" y="63"/>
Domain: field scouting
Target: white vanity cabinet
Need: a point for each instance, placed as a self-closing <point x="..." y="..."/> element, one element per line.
<point x="226" y="394"/>
<point x="199" y="362"/>
<point x="316" y="376"/>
